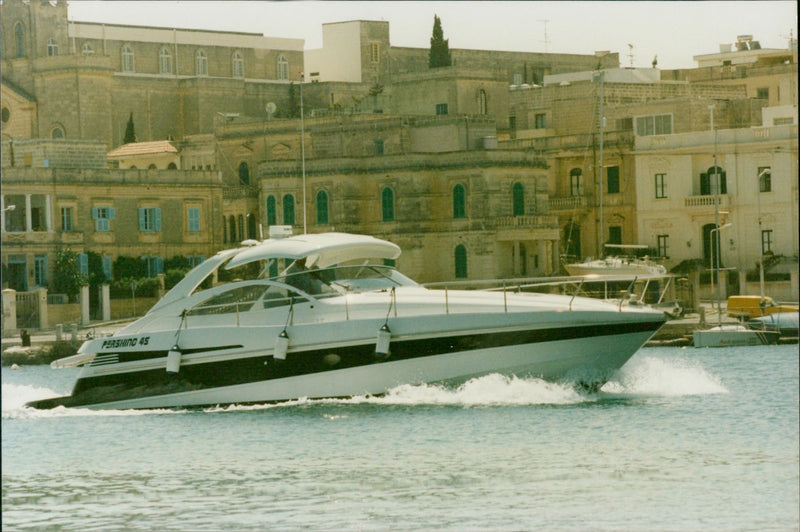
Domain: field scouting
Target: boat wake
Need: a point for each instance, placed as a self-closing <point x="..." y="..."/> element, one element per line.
<point x="642" y="376"/>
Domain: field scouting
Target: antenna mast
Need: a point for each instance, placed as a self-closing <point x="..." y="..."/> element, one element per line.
<point x="630" y="54"/>
<point x="546" y="40"/>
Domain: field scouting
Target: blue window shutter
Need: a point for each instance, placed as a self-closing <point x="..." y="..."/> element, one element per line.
<point x="159" y="265"/>
<point x="107" y="270"/>
<point x="157" y="219"/>
<point x="141" y="219"/>
<point x="83" y="263"/>
<point x="111" y="213"/>
<point x="94" y="213"/>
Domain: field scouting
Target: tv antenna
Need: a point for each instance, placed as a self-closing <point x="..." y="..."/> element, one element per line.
<point x="630" y="54"/>
<point x="546" y="40"/>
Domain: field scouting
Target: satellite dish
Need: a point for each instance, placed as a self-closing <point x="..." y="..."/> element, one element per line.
<point x="270" y="108"/>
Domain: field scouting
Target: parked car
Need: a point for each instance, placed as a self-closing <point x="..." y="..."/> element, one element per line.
<point x="754" y="306"/>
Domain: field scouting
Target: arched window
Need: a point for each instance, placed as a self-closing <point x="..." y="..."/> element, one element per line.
<point x="283" y="68"/>
<point x="251" y="225"/>
<point x="461" y="261"/>
<point x="288" y="209"/>
<point x="244" y="173"/>
<point x="127" y="59"/>
<point x="224" y="229"/>
<point x="19" y="39"/>
<point x="459" y="202"/>
<point x="272" y="216"/>
<point x="172" y="166"/>
<point x="576" y="182"/>
<point x="518" y="200"/>
<point x="322" y="207"/>
<point x="237" y="65"/>
<point x="241" y="227"/>
<point x="52" y="47"/>
<point x="387" y="204"/>
<point x="57" y="132"/>
<point x="164" y="61"/>
<point x="200" y="63"/>
<point x="87" y="49"/>
<point x="708" y="181"/>
<point x="482" y="102"/>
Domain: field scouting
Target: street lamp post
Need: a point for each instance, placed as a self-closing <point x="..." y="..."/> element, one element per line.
<point x="715" y="244"/>
<point x="760" y="237"/>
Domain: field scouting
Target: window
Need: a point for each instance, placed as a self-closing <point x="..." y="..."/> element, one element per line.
<point x="766" y="241"/>
<point x="244" y="173"/>
<point x="625" y="124"/>
<point x="40" y="270"/>
<point x="19" y="39"/>
<point x="459" y="201"/>
<point x="87" y="49"/>
<point x="482" y="109"/>
<point x="322" y="207"/>
<point x="288" y="209"/>
<point x="762" y="93"/>
<point x="83" y="263"/>
<point x="374" y="52"/>
<point x="764" y="179"/>
<point x="661" y="185"/>
<point x="663" y="246"/>
<point x="240" y="219"/>
<point x="272" y="216"/>
<point x="512" y="122"/>
<point x="164" y="61"/>
<point x="612" y="179"/>
<point x="127" y="59"/>
<point x="6" y="115"/>
<point x="540" y="121"/>
<point x="108" y="271"/>
<point x="67" y="220"/>
<point x="283" y="68"/>
<point x="379" y="147"/>
<point x="57" y="133"/>
<point x="387" y="205"/>
<point x="441" y="108"/>
<point x="783" y="121"/>
<point x="518" y="200"/>
<point x="517" y="78"/>
<point x="615" y="234"/>
<point x="193" y="219"/>
<point x="155" y="265"/>
<point x="654" y="125"/>
<point x="708" y="182"/>
<point x="52" y="48"/>
<point x="150" y="219"/>
<point x="237" y="65"/>
<point x="102" y="217"/>
<point x="576" y="182"/>
<point x="461" y="261"/>
<point x="201" y="63"/>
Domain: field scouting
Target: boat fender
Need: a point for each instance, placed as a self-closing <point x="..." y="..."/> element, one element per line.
<point x="382" y="344"/>
<point x="174" y="359"/>
<point x="281" y="346"/>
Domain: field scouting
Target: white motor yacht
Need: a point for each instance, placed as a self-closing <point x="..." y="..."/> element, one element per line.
<point x="321" y="315"/>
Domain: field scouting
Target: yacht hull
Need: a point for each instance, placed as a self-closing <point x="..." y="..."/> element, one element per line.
<point x="588" y="354"/>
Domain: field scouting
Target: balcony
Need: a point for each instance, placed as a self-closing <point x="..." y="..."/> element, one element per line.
<point x="568" y="203"/>
<point x="528" y="221"/>
<point x="706" y="202"/>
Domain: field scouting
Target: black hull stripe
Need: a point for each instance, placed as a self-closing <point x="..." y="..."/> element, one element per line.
<point x="145" y="383"/>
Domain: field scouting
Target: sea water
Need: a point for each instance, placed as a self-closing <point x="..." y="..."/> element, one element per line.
<point x="680" y="439"/>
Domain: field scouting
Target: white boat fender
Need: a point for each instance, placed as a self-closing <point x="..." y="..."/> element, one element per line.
<point x="281" y="346"/>
<point x="174" y="359"/>
<point x="382" y="344"/>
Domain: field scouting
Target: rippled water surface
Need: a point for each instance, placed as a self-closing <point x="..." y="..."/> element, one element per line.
<point x="681" y="439"/>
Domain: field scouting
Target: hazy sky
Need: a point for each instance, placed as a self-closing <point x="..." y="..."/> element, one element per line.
<point x="675" y="30"/>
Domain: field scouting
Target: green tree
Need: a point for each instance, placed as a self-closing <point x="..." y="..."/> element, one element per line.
<point x="130" y="132"/>
<point x="439" y="55"/>
<point x="67" y="278"/>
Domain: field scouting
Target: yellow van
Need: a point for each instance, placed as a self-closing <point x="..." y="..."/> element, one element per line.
<point x="752" y="306"/>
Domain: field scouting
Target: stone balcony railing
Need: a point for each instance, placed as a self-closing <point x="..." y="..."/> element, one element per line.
<point x="530" y="220"/>
<point x="707" y="201"/>
<point x="568" y="203"/>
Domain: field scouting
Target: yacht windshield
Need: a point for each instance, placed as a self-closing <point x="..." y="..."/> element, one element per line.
<point x="339" y="279"/>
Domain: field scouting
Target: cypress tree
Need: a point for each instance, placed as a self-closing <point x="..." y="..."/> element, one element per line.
<point x="439" y="55"/>
<point x="130" y="133"/>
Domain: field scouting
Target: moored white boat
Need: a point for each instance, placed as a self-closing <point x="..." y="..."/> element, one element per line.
<point x="335" y="324"/>
<point x="731" y="335"/>
<point x="623" y="262"/>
